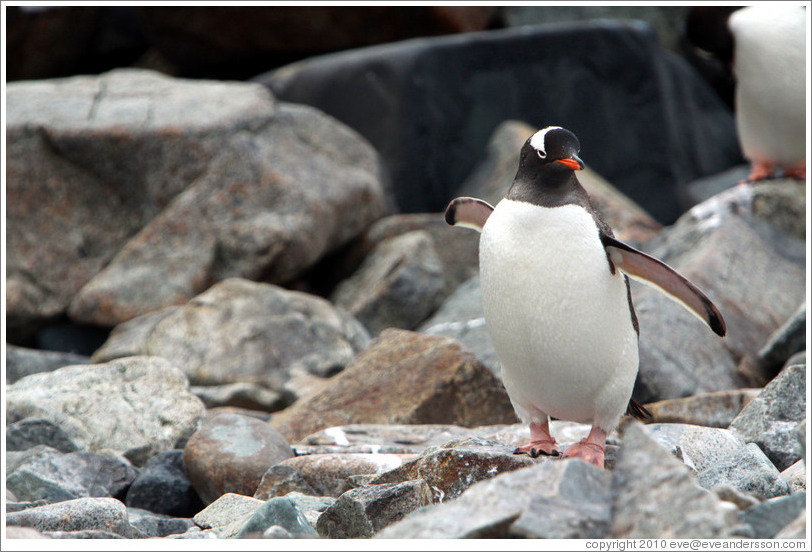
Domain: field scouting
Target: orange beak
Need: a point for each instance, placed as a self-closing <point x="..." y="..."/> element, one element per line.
<point x="573" y="163"/>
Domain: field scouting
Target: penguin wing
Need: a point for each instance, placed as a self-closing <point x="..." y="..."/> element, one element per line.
<point x="651" y="271"/>
<point x="468" y="212"/>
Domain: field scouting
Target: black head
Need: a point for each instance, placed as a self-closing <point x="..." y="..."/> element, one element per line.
<point x="552" y="147"/>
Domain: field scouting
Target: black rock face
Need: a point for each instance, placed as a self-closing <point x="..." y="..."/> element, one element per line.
<point x="163" y="487"/>
<point x="646" y="121"/>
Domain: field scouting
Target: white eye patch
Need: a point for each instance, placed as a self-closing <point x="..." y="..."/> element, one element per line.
<point x="537" y="141"/>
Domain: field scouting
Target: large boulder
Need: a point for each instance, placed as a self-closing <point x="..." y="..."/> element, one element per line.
<point x="238" y="185"/>
<point x="242" y="331"/>
<point x="136" y="406"/>
<point x="403" y="377"/>
<point x="647" y="122"/>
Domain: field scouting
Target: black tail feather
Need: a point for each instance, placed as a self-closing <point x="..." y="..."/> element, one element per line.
<point x="639" y="411"/>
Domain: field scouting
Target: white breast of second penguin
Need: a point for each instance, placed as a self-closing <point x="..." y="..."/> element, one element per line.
<point x="558" y="317"/>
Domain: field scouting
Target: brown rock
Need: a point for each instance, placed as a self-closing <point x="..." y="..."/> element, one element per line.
<point x="324" y="474"/>
<point x="715" y="409"/>
<point x="403" y="377"/>
<point x="230" y="454"/>
<point x="451" y="468"/>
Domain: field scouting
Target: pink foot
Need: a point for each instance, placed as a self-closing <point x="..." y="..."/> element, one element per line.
<point x="540" y="441"/>
<point x="591" y="453"/>
<point x="590" y="450"/>
<point x="760" y="170"/>
<point x="798" y="172"/>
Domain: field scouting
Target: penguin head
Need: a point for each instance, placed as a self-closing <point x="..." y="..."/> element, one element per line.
<point x="553" y="147"/>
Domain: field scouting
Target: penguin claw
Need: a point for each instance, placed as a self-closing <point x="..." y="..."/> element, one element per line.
<point x="538" y="448"/>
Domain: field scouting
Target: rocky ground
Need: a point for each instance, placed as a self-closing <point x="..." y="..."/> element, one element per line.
<point x="292" y="338"/>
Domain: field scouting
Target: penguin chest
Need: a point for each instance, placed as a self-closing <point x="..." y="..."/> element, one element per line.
<point x="559" y="319"/>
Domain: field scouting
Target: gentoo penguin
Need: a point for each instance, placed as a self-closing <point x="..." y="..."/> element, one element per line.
<point x="765" y="48"/>
<point x="769" y="63"/>
<point x="556" y="298"/>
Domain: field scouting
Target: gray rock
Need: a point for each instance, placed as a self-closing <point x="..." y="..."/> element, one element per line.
<point x="230" y="453"/>
<point x="21" y="362"/>
<point x="311" y="506"/>
<point x="360" y="513"/>
<point x="655" y="496"/>
<point x="228" y="510"/>
<point x="800" y="434"/>
<point x="241" y="331"/>
<point x="461" y="317"/>
<point x="796" y="529"/>
<point x="80" y="514"/>
<point x="451" y="468"/>
<point x="85" y="534"/>
<point x="136" y="406"/>
<point x="492" y="508"/>
<point x="43" y="473"/>
<point x="447" y="385"/>
<point x="324" y="474"/>
<point x="720" y="457"/>
<point x="715" y="409"/>
<point x="30" y="432"/>
<point x="765" y="520"/>
<point x="152" y="525"/>
<point x="713" y="240"/>
<point x="240" y="394"/>
<point x="771" y="419"/>
<point x="399" y="284"/>
<point x="163" y="487"/>
<point x="282" y="512"/>
<point x="228" y="182"/>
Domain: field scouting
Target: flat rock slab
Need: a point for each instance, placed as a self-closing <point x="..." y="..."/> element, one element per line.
<point x="716" y="409"/>
<point x="135" y="406"/>
<point x="445" y="383"/>
<point x="243" y="331"/>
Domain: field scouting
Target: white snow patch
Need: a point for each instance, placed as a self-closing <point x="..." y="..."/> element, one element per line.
<point x="338" y="436"/>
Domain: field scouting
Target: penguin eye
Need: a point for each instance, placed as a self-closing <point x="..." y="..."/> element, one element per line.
<point x="542" y="154"/>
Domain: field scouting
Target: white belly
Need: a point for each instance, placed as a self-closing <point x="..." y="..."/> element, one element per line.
<point x="769" y="63"/>
<point x="559" y="319"/>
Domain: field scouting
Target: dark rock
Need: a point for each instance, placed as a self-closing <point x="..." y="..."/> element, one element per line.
<point x="30" y="432"/>
<point x="282" y="512"/>
<point x="230" y="454"/>
<point x="765" y="520"/>
<point x="42" y="473"/>
<point x="494" y="508"/>
<point x="446" y="384"/>
<point x="452" y="468"/>
<point x="238" y="41"/>
<point x="135" y="406"/>
<point x="715" y="409"/>
<point x="242" y="331"/>
<point x="430" y="106"/>
<point x="163" y="487"/>
<point x="360" y="513"/>
<point x="80" y="514"/>
<point x="21" y="362"/>
<point x="399" y="284"/>
<point x="784" y="342"/>
<point x="324" y="474"/>
<point x="311" y="506"/>
<point x="771" y="419"/>
<point x="714" y="245"/>
<point x="655" y="496"/>
<point x="152" y="525"/>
